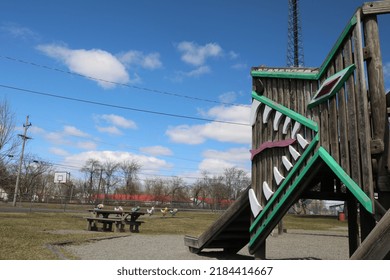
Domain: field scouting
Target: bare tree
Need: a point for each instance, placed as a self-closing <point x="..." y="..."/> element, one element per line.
<point x="9" y="141"/>
<point x="158" y="188"/>
<point x="130" y="170"/>
<point x="92" y="169"/>
<point x="177" y="187"/>
<point x="235" y="180"/>
<point x="109" y="172"/>
<point x="33" y="172"/>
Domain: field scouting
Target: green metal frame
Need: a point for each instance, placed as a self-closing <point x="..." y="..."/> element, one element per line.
<point x="286" y="111"/>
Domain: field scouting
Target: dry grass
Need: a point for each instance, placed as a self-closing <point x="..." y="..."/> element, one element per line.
<point x="25" y="236"/>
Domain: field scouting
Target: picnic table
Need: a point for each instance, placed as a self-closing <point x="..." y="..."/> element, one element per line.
<point x="119" y="218"/>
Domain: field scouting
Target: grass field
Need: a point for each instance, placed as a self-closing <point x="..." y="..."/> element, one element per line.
<point x="28" y="235"/>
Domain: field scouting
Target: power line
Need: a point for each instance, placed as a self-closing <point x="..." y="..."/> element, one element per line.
<point x="150" y="90"/>
<point x="117" y="106"/>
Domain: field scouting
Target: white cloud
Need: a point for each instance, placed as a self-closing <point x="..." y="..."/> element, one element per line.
<point x="118" y="121"/>
<point x="113" y="121"/>
<point x="222" y="132"/>
<point x="186" y="134"/>
<point x="58" y="151"/>
<point x="64" y="137"/>
<point x="113" y="130"/>
<point x="94" y="63"/>
<point x="195" y="54"/>
<point x="73" y="131"/>
<point x="215" y="166"/>
<point x="18" y="31"/>
<point x="148" y="61"/>
<point x="232" y="155"/>
<point x="238" y="114"/>
<point x="86" y="145"/>
<point x="228" y="97"/>
<point x="150" y="163"/>
<point x="57" y="138"/>
<point x="217" y="161"/>
<point x="233" y="55"/>
<point x="156" y="151"/>
<point x="37" y="130"/>
<point x="198" y="71"/>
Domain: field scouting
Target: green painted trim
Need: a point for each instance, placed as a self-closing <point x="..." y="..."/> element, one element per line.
<point x="348" y="182"/>
<point x="288" y="193"/>
<point x="286" y="111"/>
<point x="345" y="74"/>
<point x="287" y="180"/>
<point x="338" y="171"/>
<point x="285" y="75"/>
<point x="336" y="46"/>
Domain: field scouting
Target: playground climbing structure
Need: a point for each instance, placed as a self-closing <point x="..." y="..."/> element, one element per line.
<point x="322" y="133"/>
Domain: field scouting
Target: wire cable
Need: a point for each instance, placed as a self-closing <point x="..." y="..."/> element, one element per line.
<point x="156" y="91"/>
<point x="117" y="106"/>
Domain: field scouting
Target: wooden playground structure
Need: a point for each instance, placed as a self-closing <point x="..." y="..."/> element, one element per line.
<point x="318" y="133"/>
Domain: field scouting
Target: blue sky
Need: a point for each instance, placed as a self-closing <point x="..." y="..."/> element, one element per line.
<point x="149" y="76"/>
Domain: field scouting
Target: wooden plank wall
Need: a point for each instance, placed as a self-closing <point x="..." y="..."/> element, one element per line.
<point x="293" y="94"/>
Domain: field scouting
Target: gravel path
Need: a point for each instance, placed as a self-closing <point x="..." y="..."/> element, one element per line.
<point x="329" y="245"/>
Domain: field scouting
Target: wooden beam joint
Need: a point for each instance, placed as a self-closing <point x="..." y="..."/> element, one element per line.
<point x="377" y="146"/>
<point x="367" y="54"/>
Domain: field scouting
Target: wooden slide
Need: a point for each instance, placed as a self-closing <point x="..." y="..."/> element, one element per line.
<point x="229" y="232"/>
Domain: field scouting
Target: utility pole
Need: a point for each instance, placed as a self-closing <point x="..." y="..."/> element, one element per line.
<point x="24" y="137"/>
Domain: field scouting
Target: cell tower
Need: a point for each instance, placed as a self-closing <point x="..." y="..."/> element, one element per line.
<point x="294" y="44"/>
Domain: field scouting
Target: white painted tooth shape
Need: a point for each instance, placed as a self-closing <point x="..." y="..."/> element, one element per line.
<point x="266" y="113"/>
<point x="287" y="164"/>
<point x="277" y="119"/>
<point x="278" y="177"/>
<point x="302" y="141"/>
<point x="294" y="152"/>
<point x="254" y="110"/>
<point x="286" y="125"/>
<point x="254" y="203"/>
<point x="267" y="191"/>
<point x="296" y="128"/>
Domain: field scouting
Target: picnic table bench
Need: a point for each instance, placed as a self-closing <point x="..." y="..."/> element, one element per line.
<point x="118" y="218"/>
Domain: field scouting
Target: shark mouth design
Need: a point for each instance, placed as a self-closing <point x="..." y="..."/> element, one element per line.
<point x="299" y="156"/>
<point x="292" y="121"/>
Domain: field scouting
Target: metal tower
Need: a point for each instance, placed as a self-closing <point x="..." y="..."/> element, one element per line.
<point x="294" y="44"/>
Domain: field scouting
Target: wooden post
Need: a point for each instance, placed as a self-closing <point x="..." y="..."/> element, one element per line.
<point x="376" y="85"/>
<point x="353" y="227"/>
<point x="377" y="243"/>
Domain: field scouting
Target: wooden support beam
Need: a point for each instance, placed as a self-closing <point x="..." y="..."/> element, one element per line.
<point x="377" y="244"/>
<point x="377" y="7"/>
